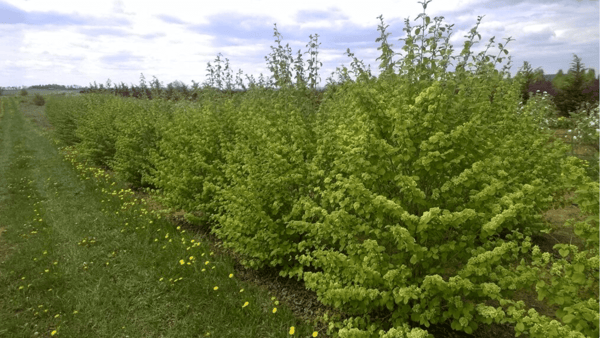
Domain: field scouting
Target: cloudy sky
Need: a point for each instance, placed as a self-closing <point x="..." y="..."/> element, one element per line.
<point x="77" y="42"/>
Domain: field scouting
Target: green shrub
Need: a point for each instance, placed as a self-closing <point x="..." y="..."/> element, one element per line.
<point x="138" y="126"/>
<point x="38" y="100"/>
<point x="266" y="171"/>
<point x="189" y="156"/>
<point x="23" y="92"/>
<point x="97" y="131"/>
<point x="63" y="112"/>
<point x="404" y="200"/>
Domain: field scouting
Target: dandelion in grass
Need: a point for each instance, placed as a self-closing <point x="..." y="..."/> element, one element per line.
<point x="315" y="334"/>
<point x="241" y="290"/>
<point x="230" y="275"/>
<point x="53" y="333"/>
<point x="181" y="261"/>
<point x="292" y="330"/>
<point x="216" y="288"/>
<point x="245" y="304"/>
<point x="274" y="310"/>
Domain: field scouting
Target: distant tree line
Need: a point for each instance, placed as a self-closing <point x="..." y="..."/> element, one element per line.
<point x="55" y="86"/>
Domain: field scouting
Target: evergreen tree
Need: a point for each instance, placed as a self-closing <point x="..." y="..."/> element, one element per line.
<point x="531" y="76"/>
<point x="571" y="95"/>
<point x="559" y="80"/>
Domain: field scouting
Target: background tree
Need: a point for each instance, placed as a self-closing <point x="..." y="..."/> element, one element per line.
<point x="531" y="76"/>
<point x="572" y="94"/>
<point x="559" y="80"/>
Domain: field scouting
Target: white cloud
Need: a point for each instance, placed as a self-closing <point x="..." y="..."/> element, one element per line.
<point x="81" y="42"/>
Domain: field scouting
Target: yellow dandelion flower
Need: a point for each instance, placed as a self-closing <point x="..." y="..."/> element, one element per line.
<point x="315" y="334"/>
<point x="53" y="333"/>
<point x="191" y="258"/>
<point x="216" y="288"/>
<point x="245" y="304"/>
<point x="274" y="310"/>
<point x="230" y="275"/>
<point x="292" y="330"/>
<point x="241" y="290"/>
<point x="181" y="261"/>
<point x="206" y="263"/>
<point x="75" y="312"/>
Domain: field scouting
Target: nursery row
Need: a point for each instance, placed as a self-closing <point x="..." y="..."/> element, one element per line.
<point x="405" y="200"/>
<point x="416" y="210"/>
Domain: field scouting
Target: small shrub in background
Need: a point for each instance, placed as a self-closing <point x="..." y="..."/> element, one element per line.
<point x="38" y="100"/>
<point x="23" y="92"/>
<point x="585" y="121"/>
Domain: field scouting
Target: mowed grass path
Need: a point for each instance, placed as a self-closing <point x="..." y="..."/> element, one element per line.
<point x="82" y="258"/>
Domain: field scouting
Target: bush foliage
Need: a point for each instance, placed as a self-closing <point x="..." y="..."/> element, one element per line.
<point x="38" y="100"/>
<point x="406" y="199"/>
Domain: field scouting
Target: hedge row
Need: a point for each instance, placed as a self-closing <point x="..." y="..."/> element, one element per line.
<point x="405" y="200"/>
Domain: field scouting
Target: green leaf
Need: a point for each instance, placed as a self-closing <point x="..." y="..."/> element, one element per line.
<point x="568" y="318"/>
<point x="520" y="327"/>
<point x="542" y="294"/>
<point x="413" y="259"/>
<point x="579" y="267"/>
<point x="579" y="278"/>
<point x="564" y="252"/>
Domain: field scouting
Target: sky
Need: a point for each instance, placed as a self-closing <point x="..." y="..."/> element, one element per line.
<point x="74" y="42"/>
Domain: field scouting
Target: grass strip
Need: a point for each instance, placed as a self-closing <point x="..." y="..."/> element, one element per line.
<point x="81" y="257"/>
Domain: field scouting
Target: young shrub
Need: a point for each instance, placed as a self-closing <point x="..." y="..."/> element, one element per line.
<point x="138" y="128"/>
<point x="267" y="172"/>
<point x="424" y="174"/>
<point x="38" y="100"/>
<point x="23" y="92"/>
<point x="97" y="131"/>
<point x="187" y="164"/>
<point x="63" y="113"/>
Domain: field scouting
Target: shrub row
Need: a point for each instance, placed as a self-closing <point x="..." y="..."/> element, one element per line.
<point x="404" y="200"/>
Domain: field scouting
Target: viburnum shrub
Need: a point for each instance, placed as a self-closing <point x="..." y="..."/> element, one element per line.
<point x="139" y="131"/>
<point x="63" y="112"/>
<point x="586" y="120"/>
<point x="404" y="200"/>
<point x="267" y="172"/>
<point x="97" y="131"/>
<point x="424" y="189"/>
<point x="188" y="158"/>
<point x="541" y="106"/>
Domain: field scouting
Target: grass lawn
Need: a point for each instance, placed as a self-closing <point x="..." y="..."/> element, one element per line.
<point x="82" y="257"/>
